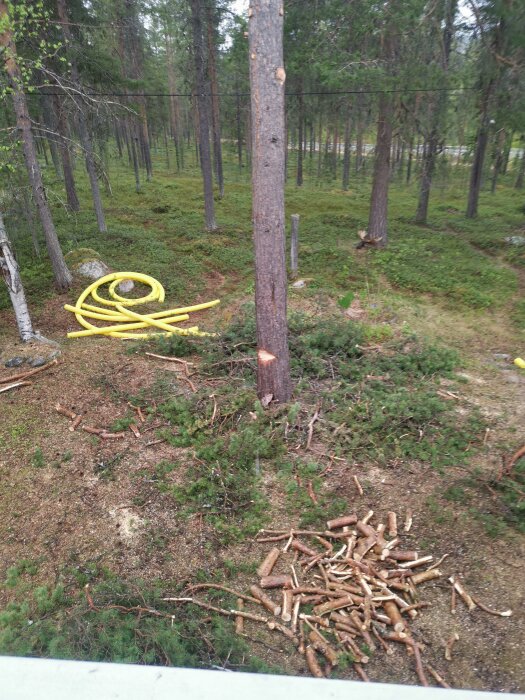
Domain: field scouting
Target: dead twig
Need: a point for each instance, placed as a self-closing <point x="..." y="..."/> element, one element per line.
<point x="8" y="387"/>
<point x="25" y="375"/>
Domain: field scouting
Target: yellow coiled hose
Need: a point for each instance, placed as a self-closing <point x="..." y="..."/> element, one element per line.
<point x="121" y="319"/>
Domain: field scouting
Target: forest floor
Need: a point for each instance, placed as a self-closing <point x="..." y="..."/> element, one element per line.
<point x="413" y="400"/>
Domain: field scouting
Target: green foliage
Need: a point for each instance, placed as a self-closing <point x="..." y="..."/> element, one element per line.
<point x="512" y="488"/>
<point x="47" y="622"/>
<point x="38" y="460"/>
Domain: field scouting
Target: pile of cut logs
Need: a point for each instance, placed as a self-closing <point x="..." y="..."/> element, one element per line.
<point x="357" y="595"/>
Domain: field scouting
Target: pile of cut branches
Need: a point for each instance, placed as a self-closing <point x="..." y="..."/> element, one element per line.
<point x="357" y="594"/>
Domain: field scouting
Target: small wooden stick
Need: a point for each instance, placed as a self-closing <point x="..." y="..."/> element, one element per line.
<point x="453" y="601"/>
<point x="358" y="485"/>
<point x="239" y="620"/>
<point x="265" y="600"/>
<point x="367" y="517"/>
<point x="428" y="575"/>
<point x="392" y="523"/>
<point x="295" y="614"/>
<point x="311" y="493"/>
<point x="265" y="568"/>
<point x="336" y="604"/>
<point x="314" y="618"/>
<point x="311" y="427"/>
<point x="401" y="555"/>
<point x="416" y="562"/>
<point x="111" y="436"/>
<point x="286" y="612"/>
<point x="361" y="672"/>
<point x="505" y="613"/>
<point x="25" y="375"/>
<point x="169" y="359"/>
<point x="65" y="411"/>
<point x="448" y="646"/>
<point x="273" y="625"/>
<point x="408" y="522"/>
<point x="388" y="649"/>
<point x="313" y="664"/>
<point x="92" y="431"/>
<point x="74" y="425"/>
<point x="471" y="605"/>
<point x="419" y="666"/>
<point x="320" y="644"/>
<point x="300" y="547"/>
<point x="442" y="682"/>
<point x="218" y="587"/>
<point x="8" y="387"/>
<point x="221" y="611"/>
<point x="394" y="615"/>
<point x="342" y="521"/>
<point x="134" y="430"/>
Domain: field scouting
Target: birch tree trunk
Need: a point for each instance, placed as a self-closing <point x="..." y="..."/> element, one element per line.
<point x="61" y="272"/>
<point x="267" y="78"/>
<point x="11" y="274"/>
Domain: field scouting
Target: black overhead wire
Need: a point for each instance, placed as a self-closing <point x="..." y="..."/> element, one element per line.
<point x="320" y="93"/>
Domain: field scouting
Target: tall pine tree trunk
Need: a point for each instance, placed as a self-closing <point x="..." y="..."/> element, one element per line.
<point x="61" y="272"/>
<point x="300" y="121"/>
<point x="476" y="172"/>
<point x="174" y="103"/>
<point x="211" y="22"/>
<point x="377" y="220"/>
<point x="438" y="108"/>
<point x="67" y="168"/>
<point x="203" y="116"/>
<point x="83" y="130"/>
<point x="50" y="120"/>
<point x="267" y="78"/>
<point x="346" y="153"/>
<point x="239" y="129"/>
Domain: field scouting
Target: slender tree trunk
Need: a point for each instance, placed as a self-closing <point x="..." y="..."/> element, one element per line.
<point x="202" y="90"/>
<point x="498" y="159"/>
<point x="506" y="152"/>
<point x="83" y="130"/>
<point x="482" y="138"/>
<point x="30" y="220"/>
<point x="67" y="168"/>
<point x="521" y="172"/>
<point x="133" y="140"/>
<point x="346" y="153"/>
<point x="11" y="274"/>
<point x="409" y="160"/>
<point x="50" y="122"/>
<point x="211" y="22"/>
<point x="118" y="140"/>
<point x="173" y="103"/>
<point x="267" y="78"/>
<point x="239" y="129"/>
<point x="300" y="120"/>
<point x="377" y="221"/>
<point x="61" y="273"/>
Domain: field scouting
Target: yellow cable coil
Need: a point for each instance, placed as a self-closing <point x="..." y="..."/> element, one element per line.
<point x="121" y="319"/>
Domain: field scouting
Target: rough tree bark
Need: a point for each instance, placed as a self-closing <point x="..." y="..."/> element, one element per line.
<point x="346" y="152"/>
<point x="482" y="139"/>
<point x="203" y="116"/>
<point x="211" y="22"/>
<point x="85" y="138"/>
<point x="61" y="272"/>
<point x="438" y="105"/>
<point x="11" y="274"/>
<point x="67" y="168"/>
<point x="377" y="220"/>
<point x="174" y="103"/>
<point x="300" y="123"/>
<point x="521" y="171"/>
<point x="267" y="78"/>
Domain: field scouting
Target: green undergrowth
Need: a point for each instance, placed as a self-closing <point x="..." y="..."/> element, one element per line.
<point x="58" y="622"/>
<point x="159" y="231"/>
<point x="378" y="403"/>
